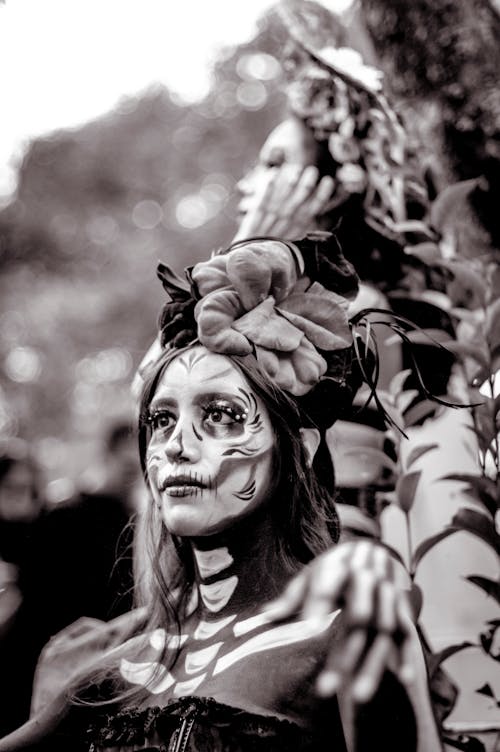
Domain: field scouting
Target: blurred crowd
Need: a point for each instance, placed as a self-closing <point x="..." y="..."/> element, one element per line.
<point x="60" y="562"/>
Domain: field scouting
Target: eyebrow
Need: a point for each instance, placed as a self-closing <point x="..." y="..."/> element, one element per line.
<point x="199" y="399"/>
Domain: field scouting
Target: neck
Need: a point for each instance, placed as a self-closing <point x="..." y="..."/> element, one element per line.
<point x="239" y="568"/>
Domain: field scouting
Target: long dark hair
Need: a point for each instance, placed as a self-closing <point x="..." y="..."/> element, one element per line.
<point x="302" y="509"/>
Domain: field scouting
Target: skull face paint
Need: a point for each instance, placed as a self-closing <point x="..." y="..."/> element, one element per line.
<point x="210" y="456"/>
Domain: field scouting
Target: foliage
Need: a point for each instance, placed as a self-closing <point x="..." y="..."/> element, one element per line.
<point x="95" y="209"/>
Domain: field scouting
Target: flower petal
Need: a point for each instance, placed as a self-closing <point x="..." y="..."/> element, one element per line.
<point x="322" y="315"/>
<point x="264" y="327"/>
<point x="215" y="314"/>
<point x="210" y="275"/>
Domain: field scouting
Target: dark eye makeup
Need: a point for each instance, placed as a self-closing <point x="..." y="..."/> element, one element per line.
<point x="221" y="411"/>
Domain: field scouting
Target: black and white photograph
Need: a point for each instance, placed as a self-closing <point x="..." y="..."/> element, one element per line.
<point x="249" y="375"/>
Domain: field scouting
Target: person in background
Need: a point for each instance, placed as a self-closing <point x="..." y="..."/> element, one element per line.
<point x="80" y="554"/>
<point x="22" y="509"/>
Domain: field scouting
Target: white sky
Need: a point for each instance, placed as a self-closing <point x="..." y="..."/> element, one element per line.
<point x="63" y="62"/>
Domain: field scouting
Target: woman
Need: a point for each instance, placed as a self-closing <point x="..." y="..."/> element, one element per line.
<point x="259" y="633"/>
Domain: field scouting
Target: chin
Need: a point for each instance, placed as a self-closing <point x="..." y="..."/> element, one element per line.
<point x="185" y="524"/>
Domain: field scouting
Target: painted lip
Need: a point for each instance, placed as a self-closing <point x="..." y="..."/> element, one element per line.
<point x="182" y="485"/>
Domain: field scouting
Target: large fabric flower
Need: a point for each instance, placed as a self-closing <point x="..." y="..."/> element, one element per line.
<point x="256" y="299"/>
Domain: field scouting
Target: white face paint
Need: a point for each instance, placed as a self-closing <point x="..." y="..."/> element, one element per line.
<point x="209" y="459"/>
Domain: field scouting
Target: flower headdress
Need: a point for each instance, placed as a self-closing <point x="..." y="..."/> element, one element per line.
<point x="342" y="100"/>
<point x="262" y="297"/>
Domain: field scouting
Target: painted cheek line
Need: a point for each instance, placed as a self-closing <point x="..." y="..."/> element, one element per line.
<point x="248" y="491"/>
<point x="198" y="435"/>
<point x="229" y="464"/>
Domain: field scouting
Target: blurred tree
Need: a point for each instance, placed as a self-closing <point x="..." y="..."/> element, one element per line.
<point x="442" y="59"/>
<point x="95" y="209"/>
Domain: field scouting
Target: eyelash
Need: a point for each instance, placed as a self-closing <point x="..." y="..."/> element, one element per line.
<point x="238" y="415"/>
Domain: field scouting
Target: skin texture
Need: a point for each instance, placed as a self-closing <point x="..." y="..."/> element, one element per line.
<point x="209" y="460"/>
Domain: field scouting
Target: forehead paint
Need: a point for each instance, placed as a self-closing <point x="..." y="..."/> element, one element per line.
<point x="193" y="358"/>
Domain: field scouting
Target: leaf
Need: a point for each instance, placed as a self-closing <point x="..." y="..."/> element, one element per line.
<point x="393" y="552"/>
<point x="490" y="587"/>
<point x="429" y="337"/>
<point x="438" y="299"/>
<point x="424" y="409"/>
<point x="477" y="524"/>
<point x="427" y="252"/>
<point x="445" y="206"/>
<point x="405" y="399"/>
<point x="470" y="285"/>
<point x="492" y="327"/>
<point x="429" y="543"/>
<point x="480" y="488"/>
<point x="418" y="452"/>
<point x="467" y="350"/>
<point x="406" y="488"/>
<point x="435" y="660"/>
<point x="397" y="382"/>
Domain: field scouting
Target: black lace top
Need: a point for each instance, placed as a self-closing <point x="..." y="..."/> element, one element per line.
<point x="194" y="724"/>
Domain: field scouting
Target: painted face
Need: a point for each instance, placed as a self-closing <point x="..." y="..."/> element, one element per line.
<point x="290" y="143"/>
<point x="209" y="459"/>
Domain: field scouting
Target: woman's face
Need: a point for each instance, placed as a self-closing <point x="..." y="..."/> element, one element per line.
<point x="210" y="456"/>
<point x="289" y="144"/>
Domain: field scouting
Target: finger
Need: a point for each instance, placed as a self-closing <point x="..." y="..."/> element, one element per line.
<point x="382" y="563"/>
<point x="284" y="185"/>
<point x="303" y="189"/>
<point x="362" y="555"/>
<point x="368" y="675"/>
<point x="340" y="664"/>
<point x="320" y="197"/>
<point x="290" y="601"/>
<point x="406" y="670"/>
<point x="259" y="218"/>
<point x="407" y="636"/>
<point x="326" y="587"/>
<point x="387" y="618"/>
<point x="361" y="604"/>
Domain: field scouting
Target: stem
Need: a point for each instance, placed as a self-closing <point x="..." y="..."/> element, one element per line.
<point x="410" y="545"/>
<point x="491" y="382"/>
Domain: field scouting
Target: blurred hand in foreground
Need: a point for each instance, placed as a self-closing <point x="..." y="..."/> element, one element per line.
<point x="359" y="578"/>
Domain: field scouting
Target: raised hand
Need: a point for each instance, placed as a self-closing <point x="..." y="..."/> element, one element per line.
<point x="359" y="578"/>
<point x="287" y="203"/>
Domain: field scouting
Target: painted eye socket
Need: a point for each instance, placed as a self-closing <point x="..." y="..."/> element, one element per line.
<point x="161" y="420"/>
<point x="219" y="416"/>
<point x="223" y="414"/>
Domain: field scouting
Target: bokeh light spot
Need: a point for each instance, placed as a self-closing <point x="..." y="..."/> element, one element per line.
<point x="258" y="65"/>
<point x="102" y="229"/>
<point x="147" y="214"/>
<point x="23" y="365"/>
<point x="252" y="95"/>
<point x="192" y="211"/>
